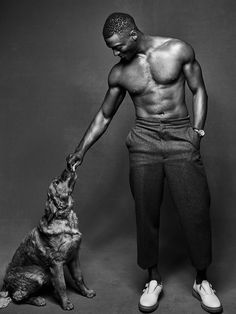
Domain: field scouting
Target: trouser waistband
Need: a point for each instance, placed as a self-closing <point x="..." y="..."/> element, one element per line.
<point x="156" y="122"/>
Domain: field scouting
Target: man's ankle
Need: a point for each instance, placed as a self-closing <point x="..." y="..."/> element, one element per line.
<point x="201" y="275"/>
<point x="153" y="274"/>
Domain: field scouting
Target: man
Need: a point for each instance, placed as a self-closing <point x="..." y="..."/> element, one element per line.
<point x="162" y="144"/>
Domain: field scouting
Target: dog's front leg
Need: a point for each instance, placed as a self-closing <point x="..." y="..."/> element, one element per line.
<point x="58" y="281"/>
<point x="76" y="274"/>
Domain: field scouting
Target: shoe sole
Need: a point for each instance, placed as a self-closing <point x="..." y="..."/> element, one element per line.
<point x="207" y="308"/>
<point x="149" y="309"/>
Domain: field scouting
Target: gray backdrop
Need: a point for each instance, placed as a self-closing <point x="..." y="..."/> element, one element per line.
<point x="53" y="77"/>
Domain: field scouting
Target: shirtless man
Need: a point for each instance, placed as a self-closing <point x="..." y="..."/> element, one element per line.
<point x="162" y="144"/>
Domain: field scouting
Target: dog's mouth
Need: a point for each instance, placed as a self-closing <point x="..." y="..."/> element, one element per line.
<point x="69" y="177"/>
<point x="64" y="184"/>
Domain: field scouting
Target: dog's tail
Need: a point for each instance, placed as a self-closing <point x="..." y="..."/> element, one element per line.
<point x="5" y="299"/>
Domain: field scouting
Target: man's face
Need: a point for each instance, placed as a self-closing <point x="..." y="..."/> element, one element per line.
<point x="123" y="46"/>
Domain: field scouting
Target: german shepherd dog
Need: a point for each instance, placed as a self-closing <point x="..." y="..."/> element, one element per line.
<point x="40" y="258"/>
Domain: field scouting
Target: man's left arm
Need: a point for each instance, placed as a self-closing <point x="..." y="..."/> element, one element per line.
<point x="193" y="75"/>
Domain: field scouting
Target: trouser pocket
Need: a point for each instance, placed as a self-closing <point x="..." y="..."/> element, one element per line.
<point x="194" y="138"/>
<point x="128" y="139"/>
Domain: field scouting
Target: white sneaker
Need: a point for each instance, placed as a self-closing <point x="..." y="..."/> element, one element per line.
<point x="149" y="299"/>
<point x="209" y="301"/>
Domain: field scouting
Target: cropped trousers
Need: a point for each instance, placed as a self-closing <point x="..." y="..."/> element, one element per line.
<point x="169" y="150"/>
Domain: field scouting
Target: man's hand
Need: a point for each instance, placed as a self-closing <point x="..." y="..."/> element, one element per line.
<point x="73" y="161"/>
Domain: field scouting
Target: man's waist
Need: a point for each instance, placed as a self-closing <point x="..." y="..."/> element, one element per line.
<point x="158" y="121"/>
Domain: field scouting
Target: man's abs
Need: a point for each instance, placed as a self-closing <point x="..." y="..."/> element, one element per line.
<point x="162" y="101"/>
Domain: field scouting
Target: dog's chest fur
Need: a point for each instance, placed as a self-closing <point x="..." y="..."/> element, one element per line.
<point x="58" y="240"/>
<point x="60" y="237"/>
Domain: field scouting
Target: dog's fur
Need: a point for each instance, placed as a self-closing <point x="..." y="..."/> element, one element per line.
<point x="40" y="258"/>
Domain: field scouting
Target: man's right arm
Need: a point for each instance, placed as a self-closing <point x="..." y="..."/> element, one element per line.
<point x="102" y="119"/>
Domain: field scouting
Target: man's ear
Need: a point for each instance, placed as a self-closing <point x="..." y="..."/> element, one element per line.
<point x="134" y="35"/>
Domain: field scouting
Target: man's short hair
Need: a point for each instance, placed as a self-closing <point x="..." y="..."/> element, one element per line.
<point x="118" y="23"/>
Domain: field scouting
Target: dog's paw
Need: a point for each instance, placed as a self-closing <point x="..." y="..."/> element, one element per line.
<point x="4" y="301"/>
<point x="85" y="291"/>
<point x="4" y="294"/>
<point x="67" y="305"/>
<point x="38" y="301"/>
<point x="89" y="293"/>
<point x="19" y="295"/>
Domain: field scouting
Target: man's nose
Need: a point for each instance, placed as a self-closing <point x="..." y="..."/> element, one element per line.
<point x="116" y="52"/>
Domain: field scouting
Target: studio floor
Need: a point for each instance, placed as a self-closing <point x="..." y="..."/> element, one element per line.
<point x="110" y="269"/>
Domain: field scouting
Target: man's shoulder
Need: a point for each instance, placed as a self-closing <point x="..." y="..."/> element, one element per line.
<point x="115" y="74"/>
<point x="178" y="48"/>
<point x="181" y="49"/>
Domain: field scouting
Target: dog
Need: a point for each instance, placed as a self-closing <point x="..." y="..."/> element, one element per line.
<point x="40" y="258"/>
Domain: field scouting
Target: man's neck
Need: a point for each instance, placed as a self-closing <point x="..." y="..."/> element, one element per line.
<point x="143" y="43"/>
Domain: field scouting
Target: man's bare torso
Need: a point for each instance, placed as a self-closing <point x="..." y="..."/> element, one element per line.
<point x="155" y="80"/>
<point x="153" y="70"/>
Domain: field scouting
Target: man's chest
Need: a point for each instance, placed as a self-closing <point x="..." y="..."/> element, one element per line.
<point x="145" y="73"/>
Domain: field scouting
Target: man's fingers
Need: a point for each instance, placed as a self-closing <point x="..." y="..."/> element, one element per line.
<point x="75" y="165"/>
<point x="68" y="158"/>
<point x="70" y="162"/>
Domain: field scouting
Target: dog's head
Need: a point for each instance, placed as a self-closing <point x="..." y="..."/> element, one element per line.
<point x="63" y="185"/>
<point x="59" y="201"/>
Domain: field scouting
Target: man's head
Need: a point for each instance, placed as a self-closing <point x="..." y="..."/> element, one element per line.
<point x="118" y="23"/>
<point x="120" y="33"/>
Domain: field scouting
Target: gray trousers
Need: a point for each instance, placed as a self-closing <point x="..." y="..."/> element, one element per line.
<point x="170" y="150"/>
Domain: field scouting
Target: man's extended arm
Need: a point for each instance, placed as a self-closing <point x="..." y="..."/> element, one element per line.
<point x="99" y="124"/>
<point x="193" y="75"/>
